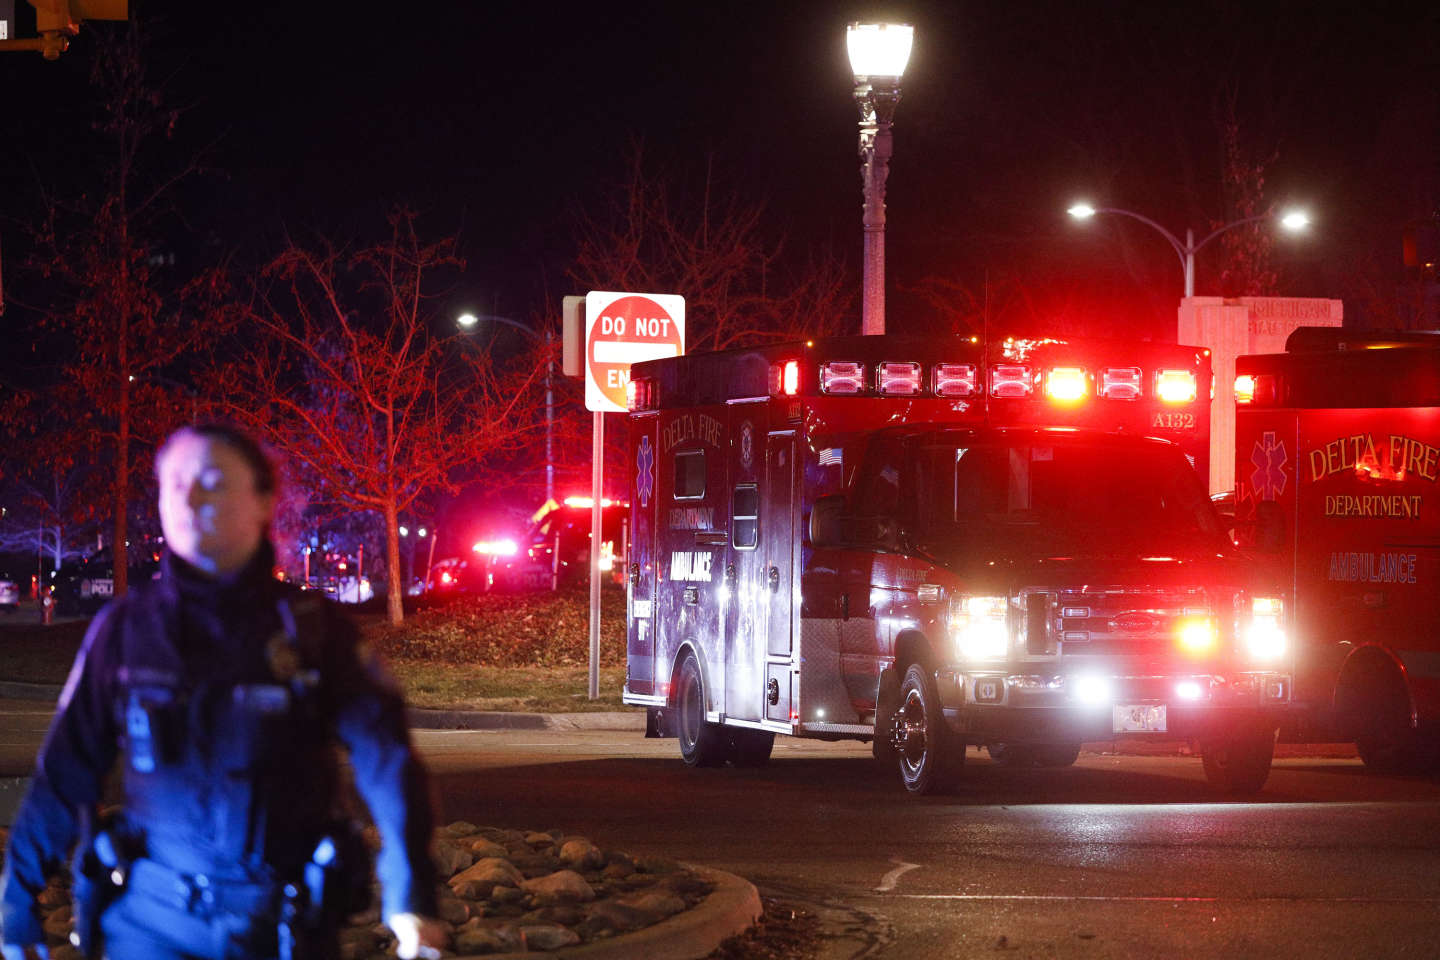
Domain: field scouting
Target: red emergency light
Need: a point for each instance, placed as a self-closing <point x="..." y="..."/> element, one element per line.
<point x="1244" y="388"/>
<point x="954" y="380"/>
<point x="1120" y="383"/>
<point x="842" y="376"/>
<point x="1066" y="384"/>
<point x="901" y="378"/>
<point x="1011" y="380"/>
<point x="1175" y="386"/>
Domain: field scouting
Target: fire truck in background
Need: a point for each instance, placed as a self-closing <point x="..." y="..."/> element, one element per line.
<point x="928" y="544"/>
<point x="1337" y="459"/>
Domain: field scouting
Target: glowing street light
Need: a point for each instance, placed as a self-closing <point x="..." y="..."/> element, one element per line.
<point x="1292" y="220"/>
<point x="467" y="320"/>
<point x="878" y="54"/>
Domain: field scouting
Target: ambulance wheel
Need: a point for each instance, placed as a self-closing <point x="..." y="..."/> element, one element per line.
<point x="1384" y="738"/>
<point x="702" y="744"/>
<point x="1238" y="762"/>
<point x="929" y="756"/>
<point x="1057" y="754"/>
<point x="1011" y="754"/>
<point x="751" y="748"/>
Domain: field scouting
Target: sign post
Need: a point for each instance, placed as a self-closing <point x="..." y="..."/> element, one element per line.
<point x="620" y="329"/>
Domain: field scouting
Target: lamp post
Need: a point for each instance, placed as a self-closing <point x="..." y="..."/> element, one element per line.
<point x="1292" y="220"/>
<point x="878" y="54"/>
<point x="467" y="322"/>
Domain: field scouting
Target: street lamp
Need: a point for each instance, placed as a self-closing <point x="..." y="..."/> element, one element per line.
<point x="468" y="321"/>
<point x="878" y="54"/>
<point x="1292" y="220"/>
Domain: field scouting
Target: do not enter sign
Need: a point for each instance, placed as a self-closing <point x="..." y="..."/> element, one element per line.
<point x="626" y="328"/>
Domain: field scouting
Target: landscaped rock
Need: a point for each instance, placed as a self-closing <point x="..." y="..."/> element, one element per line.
<point x="655" y="906"/>
<point x="581" y="854"/>
<point x="547" y="936"/>
<point x="454" y="911"/>
<point x="506" y="894"/>
<point x="459" y="829"/>
<point x="618" y="870"/>
<point x="484" y="847"/>
<point x="538" y="839"/>
<point x="612" y="915"/>
<point x="450" y="859"/>
<point x="492" y="871"/>
<point x="657" y="865"/>
<point x="558" y="886"/>
<point x="478" y="940"/>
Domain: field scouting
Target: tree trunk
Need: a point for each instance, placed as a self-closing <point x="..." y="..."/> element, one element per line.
<point x="118" y="551"/>
<point x="394" y="593"/>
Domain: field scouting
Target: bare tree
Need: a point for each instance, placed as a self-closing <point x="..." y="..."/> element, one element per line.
<point x="718" y="251"/>
<point x="121" y="317"/>
<point x="340" y="367"/>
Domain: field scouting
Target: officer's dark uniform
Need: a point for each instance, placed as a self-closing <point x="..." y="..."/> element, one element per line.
<point x="224" y="699"/>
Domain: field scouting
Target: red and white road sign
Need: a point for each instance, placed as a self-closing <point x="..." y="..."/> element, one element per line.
<point x="626" y="328"/>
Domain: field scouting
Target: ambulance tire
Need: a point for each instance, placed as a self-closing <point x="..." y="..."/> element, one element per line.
<point x="751" y="748"/>
<point x="1387" y="743"/>
<point x="702" y="744"/>
<point x="931" y="757"/>
<point x="1238" y="762"/>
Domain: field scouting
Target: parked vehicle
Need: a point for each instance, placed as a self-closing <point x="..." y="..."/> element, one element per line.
<point x="929" y="544"/>
<point x="9" y="592"/>
<point x="555" y="551"/>
<point x="84" y="585"/>
<point x="1337" y="465"/>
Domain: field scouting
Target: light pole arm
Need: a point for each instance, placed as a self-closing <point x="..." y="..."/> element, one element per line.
<point x="1180" y="249"/>
<point x="1236" y="223"/>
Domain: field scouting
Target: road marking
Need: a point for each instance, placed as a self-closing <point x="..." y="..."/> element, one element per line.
<point x="1064" y="898"/>
<point x="887" y="882"/>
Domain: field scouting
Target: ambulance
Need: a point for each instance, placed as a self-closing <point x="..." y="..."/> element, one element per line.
<point x="1337" y="466"/>
<point x="929" y="544"/>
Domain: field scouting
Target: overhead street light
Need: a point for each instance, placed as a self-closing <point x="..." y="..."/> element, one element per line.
<point x="878" y="54"/>
<point x="467" y="322"/>
<point x="1291" y="220"/>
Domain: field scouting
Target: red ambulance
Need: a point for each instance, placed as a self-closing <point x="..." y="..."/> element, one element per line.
<point x="934" y="543"/>
<point x="1337" y="457"/>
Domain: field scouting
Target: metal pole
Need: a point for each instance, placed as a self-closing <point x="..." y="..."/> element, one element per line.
<point x="597" y="485"/>
<point x="875" y="150"/>
<point x="549" y="422"/>
<point x="1189" y="262"/>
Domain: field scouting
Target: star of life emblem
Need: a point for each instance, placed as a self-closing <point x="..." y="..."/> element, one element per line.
<point x="644" y="471"/>
<point x="1269" y="457"/>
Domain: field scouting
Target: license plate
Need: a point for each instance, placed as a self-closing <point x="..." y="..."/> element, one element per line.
<point x="1139" y="718"/>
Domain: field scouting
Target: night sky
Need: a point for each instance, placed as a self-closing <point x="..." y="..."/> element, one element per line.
<point x="501" y="120"/>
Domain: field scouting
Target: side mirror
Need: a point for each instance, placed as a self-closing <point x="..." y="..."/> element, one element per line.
<point x="827" y="521"/>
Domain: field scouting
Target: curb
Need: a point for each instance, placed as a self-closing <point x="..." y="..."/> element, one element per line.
<point x="14" y="690"/>
<point x="422" y="719"/>
<point x="730" y="909"/>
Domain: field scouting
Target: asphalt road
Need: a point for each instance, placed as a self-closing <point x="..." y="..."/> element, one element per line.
<point x="1114" y="857"/>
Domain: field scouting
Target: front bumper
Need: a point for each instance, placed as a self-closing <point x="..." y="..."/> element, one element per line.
<point x="989" y="706"/>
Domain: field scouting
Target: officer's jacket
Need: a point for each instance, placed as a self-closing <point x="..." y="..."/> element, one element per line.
<point x="223" y="701"/>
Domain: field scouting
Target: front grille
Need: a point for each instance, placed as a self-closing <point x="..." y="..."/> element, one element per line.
<point x="1124" y="621"/>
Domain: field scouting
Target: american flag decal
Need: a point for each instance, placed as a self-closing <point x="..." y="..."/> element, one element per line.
<point x="832" y="456"/>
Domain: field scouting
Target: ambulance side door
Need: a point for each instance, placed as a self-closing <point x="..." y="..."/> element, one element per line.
<point x="744" y="582"/>
<point x="640" y="640"/>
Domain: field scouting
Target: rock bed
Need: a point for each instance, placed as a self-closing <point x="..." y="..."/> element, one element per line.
<point x="502" y="891"/>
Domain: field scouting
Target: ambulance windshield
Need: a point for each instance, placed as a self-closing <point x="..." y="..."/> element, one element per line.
<point x="1057" y="496"/>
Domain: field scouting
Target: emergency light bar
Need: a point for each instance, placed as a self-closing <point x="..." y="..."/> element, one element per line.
<point x="1175" y="386"/>
<point x="640" y="394"/>
<point x="903" y="378"/>
<point x="1065" y="384"/>
<point x="1011" y="380"/>
<point x="842" y="376"/>
<point x="1120" y="383"/>
<point x="953" y="380"/>
<point x="1244" y="388"/>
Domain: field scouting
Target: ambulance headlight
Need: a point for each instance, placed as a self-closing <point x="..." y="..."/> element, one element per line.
<point x="979" y="628"/>
<point x="1265" y="638"/>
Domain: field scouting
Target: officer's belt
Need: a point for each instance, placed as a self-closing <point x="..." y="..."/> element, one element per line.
<point x="199" y="893"/>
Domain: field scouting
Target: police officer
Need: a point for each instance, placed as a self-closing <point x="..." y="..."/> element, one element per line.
<point x="223" y="692"/>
